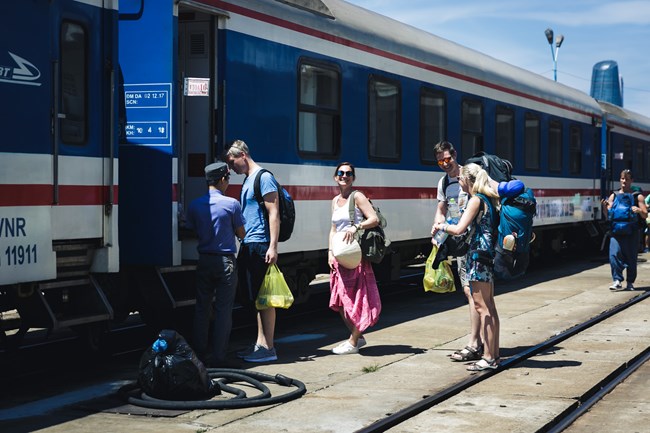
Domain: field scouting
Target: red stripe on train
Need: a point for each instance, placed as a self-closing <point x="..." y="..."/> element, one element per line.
<point x="82" y="195"/>
<point x="43" y="195"/>
<point x="308" y="193"/>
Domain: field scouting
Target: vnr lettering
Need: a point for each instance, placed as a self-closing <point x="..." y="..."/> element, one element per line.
<point x="12" y="227"/>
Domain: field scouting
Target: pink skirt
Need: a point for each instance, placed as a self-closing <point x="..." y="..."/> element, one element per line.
<point x="355" y="290"/>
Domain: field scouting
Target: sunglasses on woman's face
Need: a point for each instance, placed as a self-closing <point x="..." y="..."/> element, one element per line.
<point x="443" y="161"/>
<point x="342" y="173"/>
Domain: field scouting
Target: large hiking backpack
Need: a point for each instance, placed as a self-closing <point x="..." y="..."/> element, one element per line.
<point x="516" y="220"/>
<point x="621" y="217"/>
<point x="373" y="242"/>
<point x="287" y="207"/>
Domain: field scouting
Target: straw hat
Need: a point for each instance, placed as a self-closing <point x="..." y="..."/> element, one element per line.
<point x="347" y="254"/>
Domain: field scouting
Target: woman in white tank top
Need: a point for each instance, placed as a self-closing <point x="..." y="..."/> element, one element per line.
<point x="353" y="292"/>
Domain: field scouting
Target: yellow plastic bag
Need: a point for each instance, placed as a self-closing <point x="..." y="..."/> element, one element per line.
<point x="440" y="280"/>
<point x="274" y="291"/>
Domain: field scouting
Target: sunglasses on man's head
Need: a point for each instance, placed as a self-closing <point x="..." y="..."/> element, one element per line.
<point x="342" y="173"/>
<point x="446" y="160"/>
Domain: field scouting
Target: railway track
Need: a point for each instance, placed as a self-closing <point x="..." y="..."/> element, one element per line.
<point x="396" y="421"/>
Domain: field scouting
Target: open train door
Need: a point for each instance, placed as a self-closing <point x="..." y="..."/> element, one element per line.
<point x="200" y="106"/>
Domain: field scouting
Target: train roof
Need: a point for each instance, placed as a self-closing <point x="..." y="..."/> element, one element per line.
<point x="627" y="118"/>
<point x="347" y="22"/>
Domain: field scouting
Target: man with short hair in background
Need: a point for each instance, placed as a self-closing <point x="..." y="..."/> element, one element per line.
<point x="259" y="247"/>
<point x="218" y="221"/>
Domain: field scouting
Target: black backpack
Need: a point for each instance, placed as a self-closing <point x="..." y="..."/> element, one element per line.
<point x="170" y="370"/>
<point x="287" y="207"/>
<point x="497" y="168"/>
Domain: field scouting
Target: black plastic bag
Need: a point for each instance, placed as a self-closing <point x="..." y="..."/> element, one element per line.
<point x="170" y="370"/>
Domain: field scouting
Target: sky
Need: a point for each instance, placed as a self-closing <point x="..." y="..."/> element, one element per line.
<point x="513" y="31"/>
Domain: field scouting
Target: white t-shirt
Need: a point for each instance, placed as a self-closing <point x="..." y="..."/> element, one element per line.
<point x="453" y="191"/>
<point x="341" y="215"/>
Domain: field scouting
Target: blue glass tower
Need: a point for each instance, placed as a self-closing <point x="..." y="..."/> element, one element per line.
<point x="605" y="84"/>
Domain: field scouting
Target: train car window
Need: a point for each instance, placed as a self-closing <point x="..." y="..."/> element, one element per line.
<point x="472" y="128"/>
<point x="319" y="109"/>
<point x="384" y="119"/>
<point x="505" y="133"/>
<point x="532" y="142"/>
<point x="433" y="122"/>
<point x="73" y="82"/>
<point x="575" y="150"/>
<point x="639" y="172"/>
<point x="627" y="155"/>
<point x="555" y="145"/>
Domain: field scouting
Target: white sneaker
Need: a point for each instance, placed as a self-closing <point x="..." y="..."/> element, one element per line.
<point x="616" y="286"/>
<point x="361" y="342"/>
<point x="345" y="349"/>
<point x="630" y="286"/>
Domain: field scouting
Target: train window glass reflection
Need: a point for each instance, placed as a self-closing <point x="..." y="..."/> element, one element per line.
<point x="73" y="83"/>
<point x="433" y="122"/>
<point x="472" y="128"/>
<point x="384" y="120"/>
<point x="319" y="114"/>
<point x="505" y="133"/>
<point x="554" y="145"/>
<point x="575" y="150"/>
<point x="531" y="142"/>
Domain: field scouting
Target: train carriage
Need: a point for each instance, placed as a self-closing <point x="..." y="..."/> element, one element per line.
<point x="164" y="85"/>
<point x="58" y="166"/>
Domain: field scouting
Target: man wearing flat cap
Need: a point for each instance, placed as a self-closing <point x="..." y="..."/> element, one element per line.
<point x="217" y="221"/>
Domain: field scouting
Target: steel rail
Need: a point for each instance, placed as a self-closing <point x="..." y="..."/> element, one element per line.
<point x="428" y="402"/>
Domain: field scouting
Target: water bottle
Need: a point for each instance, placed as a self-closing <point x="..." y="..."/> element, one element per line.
<point x="440" y="237"/>
<point x="453" y="211"/>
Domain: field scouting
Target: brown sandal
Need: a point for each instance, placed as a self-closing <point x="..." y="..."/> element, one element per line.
<point x="467" y="354"/>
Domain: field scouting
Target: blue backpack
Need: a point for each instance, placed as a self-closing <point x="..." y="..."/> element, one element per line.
<point x="621" y="217"/>
<point x="516" y="219"/>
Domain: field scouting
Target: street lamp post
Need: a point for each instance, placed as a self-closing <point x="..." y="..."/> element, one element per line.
<point x="558" y="43"/>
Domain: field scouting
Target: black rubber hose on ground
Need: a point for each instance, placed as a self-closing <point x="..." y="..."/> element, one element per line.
<point x="223" y="376"/>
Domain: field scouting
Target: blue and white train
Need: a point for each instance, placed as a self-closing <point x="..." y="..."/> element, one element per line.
<point x="110" y="112"/>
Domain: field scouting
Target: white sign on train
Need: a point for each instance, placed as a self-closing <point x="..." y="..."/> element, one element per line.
<point x="26" y="252"/>
<point x="196" y="86"/>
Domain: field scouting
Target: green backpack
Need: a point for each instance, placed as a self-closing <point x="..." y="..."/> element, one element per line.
<point x="374" y="243"/>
